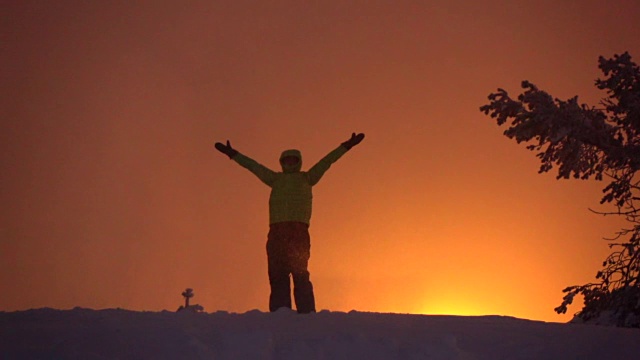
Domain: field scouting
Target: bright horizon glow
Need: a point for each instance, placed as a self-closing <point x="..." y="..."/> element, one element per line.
<point x="455" y="309"/>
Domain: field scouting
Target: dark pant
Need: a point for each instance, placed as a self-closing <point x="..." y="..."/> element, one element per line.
<point x="288" y="251"/>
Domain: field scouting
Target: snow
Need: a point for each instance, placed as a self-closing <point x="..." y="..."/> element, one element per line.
<point x="122" y="334"/>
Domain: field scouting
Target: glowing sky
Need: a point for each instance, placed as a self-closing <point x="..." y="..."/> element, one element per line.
<point x="113" y="195"/>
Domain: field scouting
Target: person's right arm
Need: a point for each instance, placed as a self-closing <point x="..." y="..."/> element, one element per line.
<point x="263" y="173"/>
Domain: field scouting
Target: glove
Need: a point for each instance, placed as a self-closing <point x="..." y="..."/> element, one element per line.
<point x="226" y="149"/>
<point x="355" y="140"/>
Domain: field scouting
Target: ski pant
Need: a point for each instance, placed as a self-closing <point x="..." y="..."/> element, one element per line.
<point x="288" y="252"/>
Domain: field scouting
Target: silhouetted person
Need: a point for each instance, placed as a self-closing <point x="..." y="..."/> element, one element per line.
<point x="288" y="242"/>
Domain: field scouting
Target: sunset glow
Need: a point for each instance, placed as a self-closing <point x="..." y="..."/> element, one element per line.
<point x="114" y="196"/>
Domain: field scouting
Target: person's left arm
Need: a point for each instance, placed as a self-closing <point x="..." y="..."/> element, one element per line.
<point x="317" y="170"/>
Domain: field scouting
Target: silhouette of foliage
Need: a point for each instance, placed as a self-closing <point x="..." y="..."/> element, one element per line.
<point x="585" y="142"/>
<point x="187" y="294"/>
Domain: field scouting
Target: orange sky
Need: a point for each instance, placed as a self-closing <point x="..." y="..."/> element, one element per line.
<point x="113" y="195"/>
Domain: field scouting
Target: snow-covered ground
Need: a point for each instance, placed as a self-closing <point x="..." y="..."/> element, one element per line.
<point x="122" y="334"/>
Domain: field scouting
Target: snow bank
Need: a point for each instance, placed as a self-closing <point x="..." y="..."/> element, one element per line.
<point x="122" y="334"/>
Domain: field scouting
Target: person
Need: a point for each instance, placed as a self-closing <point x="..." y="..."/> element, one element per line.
<point x="288" y="241"/>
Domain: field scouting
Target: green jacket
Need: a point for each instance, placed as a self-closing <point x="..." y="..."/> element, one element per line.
<point x="291" y="196"/>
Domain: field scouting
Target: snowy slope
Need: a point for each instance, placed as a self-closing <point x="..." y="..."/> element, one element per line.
<point x="122" y="334"/>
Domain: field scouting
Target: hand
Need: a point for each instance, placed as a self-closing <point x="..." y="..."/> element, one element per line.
<point x="355" y="140"/>
<point x="226" y="149"/>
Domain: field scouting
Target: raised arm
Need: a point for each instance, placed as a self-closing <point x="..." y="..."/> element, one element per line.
<point x="316" y="172"/>
<point x="263" y="173"/>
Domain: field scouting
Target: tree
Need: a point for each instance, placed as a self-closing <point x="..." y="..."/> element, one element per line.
<point x="187" y="294"/>
<point x="587" y="142"/>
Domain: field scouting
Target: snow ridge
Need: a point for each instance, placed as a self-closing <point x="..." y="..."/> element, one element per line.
<point x="122" y="334"/>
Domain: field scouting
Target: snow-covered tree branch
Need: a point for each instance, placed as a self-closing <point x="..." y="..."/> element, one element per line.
<point x="585" y="142"/>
